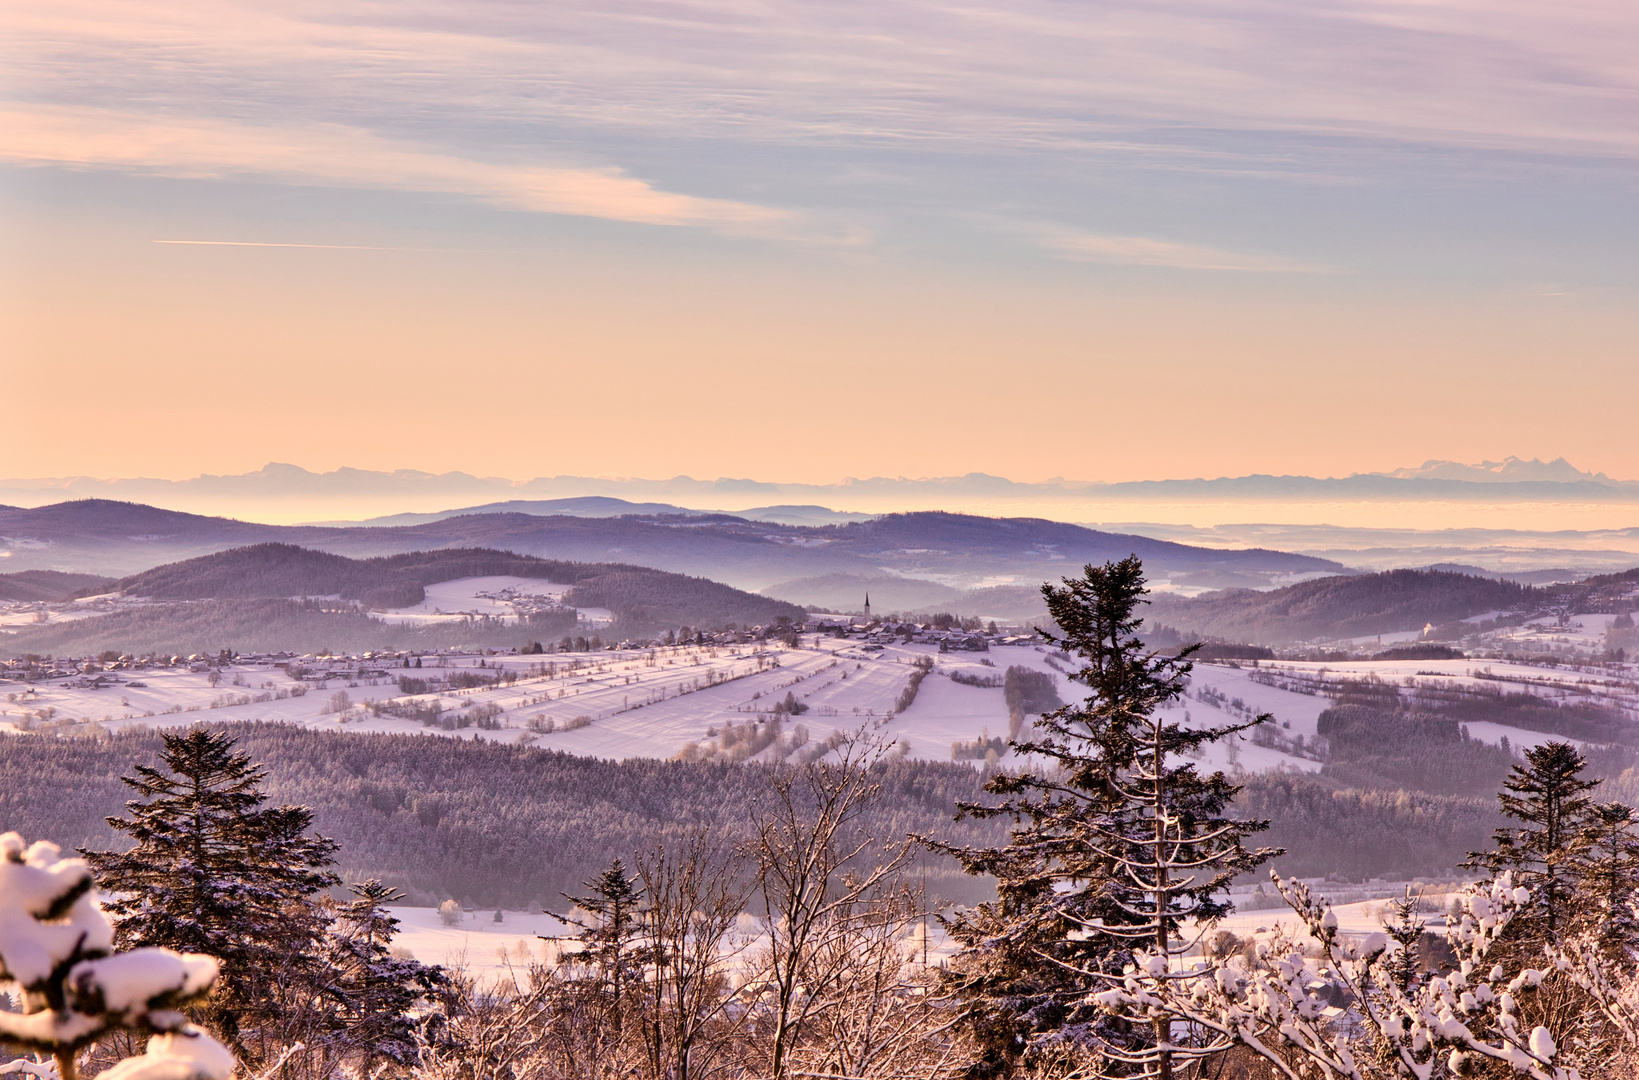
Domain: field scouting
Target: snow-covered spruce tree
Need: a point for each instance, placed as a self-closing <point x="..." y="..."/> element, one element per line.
<point x="1113" y="847"/>
<point x="1551" y="848"/>
<point x="216" y="871"/>
<point x="594" y="991"/>
<point x="57" y="945"/>
<point x="1549" y="798"/>
<point x="376" y="992"/>
<point x="1405" y="930"/>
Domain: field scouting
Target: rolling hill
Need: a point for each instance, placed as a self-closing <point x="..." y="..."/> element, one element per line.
<point x="396" y="581"/>
<point x="1337" y="607"/>
<point x="252" y="598"/>
<point x="392" y="581"/>
<point x="957" y="550"/>
<point x="49" y="585"/>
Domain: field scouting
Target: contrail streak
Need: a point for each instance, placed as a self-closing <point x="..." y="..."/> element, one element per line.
<point x="327" y="247"/>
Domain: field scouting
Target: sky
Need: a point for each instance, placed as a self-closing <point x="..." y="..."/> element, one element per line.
<point x="1099" y="240"/>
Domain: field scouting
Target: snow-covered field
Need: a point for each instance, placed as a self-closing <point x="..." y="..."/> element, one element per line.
<point x="485" y="947"/>
<point x="496" y="597"/>
<point x="21" y="613"/>
<point x="1583" y="632"/>
<point x="490" y="949"/>
<point x="1353" y="920"/>
<point x="657" y="702"/>
<point x="1607" y="686"/>
<point x="635" y="703"/>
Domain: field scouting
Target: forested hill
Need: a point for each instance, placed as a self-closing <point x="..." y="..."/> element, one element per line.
<point x="637" y="595"/>
<point x="1337" y="607"/>
<point x="939" y="532"/>
<point x="268" y="570"/>
<point x="49" y="585"/>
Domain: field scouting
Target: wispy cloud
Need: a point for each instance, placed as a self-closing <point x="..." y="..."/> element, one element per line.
<point x="347" y="156"/>
<point x="1145" y="251"/>
<point x="1512" y="74"/>
<point x="536" y="106"/>
<point x="267" y="244"/>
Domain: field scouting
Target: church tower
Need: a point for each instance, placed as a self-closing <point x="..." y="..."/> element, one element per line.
<point x="867" y="607"/>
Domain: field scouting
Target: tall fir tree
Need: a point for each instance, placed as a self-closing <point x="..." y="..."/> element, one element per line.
<point x="1548" y="796"/>
<point x="1607" y="873"/>
<point x="214" y="870"/>
<point x="609" y="937"/>
<point x="1114" y="845"/>
<point x="377" y="992"/>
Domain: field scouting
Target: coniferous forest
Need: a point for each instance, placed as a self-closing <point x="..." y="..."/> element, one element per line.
<point x="442" y="818"/>
<point x="498" y="825"/>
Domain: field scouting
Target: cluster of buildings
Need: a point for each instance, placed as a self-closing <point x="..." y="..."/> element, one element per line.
<point x="109" y="669"/>
<point x="951" y="637"/>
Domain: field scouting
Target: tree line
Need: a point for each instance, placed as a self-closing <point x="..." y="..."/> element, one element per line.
<point x="440" y="817"/>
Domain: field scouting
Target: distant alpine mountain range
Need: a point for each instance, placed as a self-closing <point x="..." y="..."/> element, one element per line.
<point x="1509" y="479"/>
<point x="1510" y="470"/>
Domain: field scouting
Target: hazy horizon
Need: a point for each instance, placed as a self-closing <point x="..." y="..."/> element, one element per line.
<point x="1494" y="496"/>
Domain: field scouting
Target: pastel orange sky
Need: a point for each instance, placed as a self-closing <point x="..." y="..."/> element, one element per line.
<point x="1102" y="241"/>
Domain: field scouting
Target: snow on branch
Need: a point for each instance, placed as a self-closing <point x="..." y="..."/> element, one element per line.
<point x="1279" y="1005"/>
<point x="57" y="944"/>
<point x="1586" y="964"/>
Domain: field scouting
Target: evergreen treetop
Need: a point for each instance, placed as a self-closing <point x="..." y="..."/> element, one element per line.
<point x="1549" y="797"/>
<point x="214" y="870"/>
<point x="376" y="991"/>
<point x="1113" y="846"/>
<point x="609" y="938"/>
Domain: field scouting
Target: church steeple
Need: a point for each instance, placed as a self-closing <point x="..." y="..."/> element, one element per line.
<point x="867" y="607"/>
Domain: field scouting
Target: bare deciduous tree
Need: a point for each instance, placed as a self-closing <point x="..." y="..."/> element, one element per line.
<point x="885" y="1018"/>
<point x="493" y="1031"/>
<point x="693" y="894"/>
<point x="821" y="879"/>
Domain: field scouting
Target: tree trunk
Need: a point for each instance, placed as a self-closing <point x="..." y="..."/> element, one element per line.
<point x="1163" y="901"/>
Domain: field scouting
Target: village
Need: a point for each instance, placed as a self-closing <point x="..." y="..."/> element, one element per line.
<point x="686" y="691"/>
